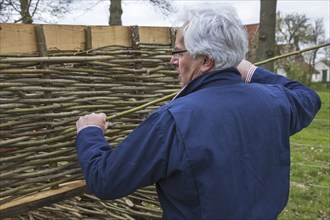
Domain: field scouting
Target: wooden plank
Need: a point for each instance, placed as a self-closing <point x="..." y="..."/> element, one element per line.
<point x="155" y="35"/>
<point x="43" y="198"/>
<point x="65" y="37"/>
<point x="17" y="38"/>
<point x="111" y="35"/>
<point x="21" y="38"/>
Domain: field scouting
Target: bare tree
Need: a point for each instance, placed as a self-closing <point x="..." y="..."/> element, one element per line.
<point x="116" y="11"/>
<point x="165" y="6"/>
<point x="266" y="37"/>
<point x="314" y="36"/>
<point x="292" y="29"/>
<point x="26" y="11"/>
<point x="295" y="31"/>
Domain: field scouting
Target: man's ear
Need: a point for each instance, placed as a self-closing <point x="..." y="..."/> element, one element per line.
<point x="207" y="65"/>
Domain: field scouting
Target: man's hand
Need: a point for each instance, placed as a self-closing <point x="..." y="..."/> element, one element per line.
<point x="244" y="67"/>
<point x="97" y="120"/>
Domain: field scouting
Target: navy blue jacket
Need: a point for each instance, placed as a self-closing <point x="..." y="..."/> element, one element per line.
<point x="220" y="150"/>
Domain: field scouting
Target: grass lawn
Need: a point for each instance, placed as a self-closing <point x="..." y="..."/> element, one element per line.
<point x="310" y="168"/>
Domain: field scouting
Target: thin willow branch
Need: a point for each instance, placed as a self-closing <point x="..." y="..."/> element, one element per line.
<point x="292" y="54"/>
<point x="167" y="97"/>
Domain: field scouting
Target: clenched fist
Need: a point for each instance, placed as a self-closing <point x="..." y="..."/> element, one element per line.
<point x="92" y="120"/>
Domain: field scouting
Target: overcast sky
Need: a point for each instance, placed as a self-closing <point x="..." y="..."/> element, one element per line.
<point x="138" y="12"/>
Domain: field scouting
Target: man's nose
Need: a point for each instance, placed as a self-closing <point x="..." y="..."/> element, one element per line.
<point x="174" y="60"/>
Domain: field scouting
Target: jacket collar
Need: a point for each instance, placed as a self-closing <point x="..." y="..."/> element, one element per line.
<point x="211" y="79"/>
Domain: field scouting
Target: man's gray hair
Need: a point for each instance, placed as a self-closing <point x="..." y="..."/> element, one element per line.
<point x="215" y="31"/>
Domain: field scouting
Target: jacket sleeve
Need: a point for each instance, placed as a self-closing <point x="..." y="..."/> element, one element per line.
<point x="140" y="160"/>
<point x="304" y="102"/>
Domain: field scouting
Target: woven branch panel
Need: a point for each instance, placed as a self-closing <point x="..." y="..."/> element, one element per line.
<point x="44" y="92"/>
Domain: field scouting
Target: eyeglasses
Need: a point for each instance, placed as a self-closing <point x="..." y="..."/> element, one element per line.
<point x="178" y="53"/>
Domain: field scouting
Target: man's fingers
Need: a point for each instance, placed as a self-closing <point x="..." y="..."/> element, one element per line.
<point x="106" y="125"/>
<point x="103" y="115"/>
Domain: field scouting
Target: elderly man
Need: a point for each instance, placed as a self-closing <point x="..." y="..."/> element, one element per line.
<point x="220" y="149"/>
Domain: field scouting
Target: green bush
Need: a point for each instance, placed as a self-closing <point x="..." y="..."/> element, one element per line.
<point x="321" y="86"/>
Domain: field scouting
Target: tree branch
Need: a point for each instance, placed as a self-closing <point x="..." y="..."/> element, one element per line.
<point x="35" y="8"/>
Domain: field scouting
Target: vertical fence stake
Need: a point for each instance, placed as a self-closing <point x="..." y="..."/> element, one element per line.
<point x="88" y="38"/>
<point x="89" y="46"/>
<point x="173" y="32"/>
<point x="42" y="48"/>
<point x="135" y="37"/>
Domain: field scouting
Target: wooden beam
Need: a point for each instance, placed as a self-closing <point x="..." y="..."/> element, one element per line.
<point x="21" y="38"/>
<point x="155" y="35"/>
<point x="47" y="197"/>
<point x="17" y="38"/>
<point x="64" y="37"/>
<point x="110" y="36"/>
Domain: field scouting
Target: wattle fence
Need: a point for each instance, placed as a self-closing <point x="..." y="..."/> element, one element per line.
<point x="51" y="75"/>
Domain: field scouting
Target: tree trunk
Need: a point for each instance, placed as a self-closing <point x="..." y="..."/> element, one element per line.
<point x="115" y="12"/>
<point x="25" y="12"/>
<point x="266" y="38"/>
